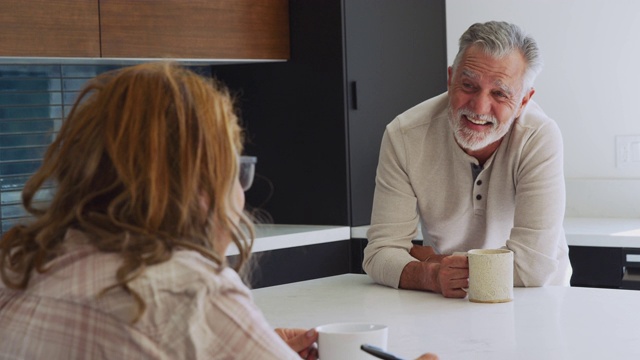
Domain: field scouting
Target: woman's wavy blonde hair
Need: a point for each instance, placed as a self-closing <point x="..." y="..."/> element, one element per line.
<point x="132" y="163"/>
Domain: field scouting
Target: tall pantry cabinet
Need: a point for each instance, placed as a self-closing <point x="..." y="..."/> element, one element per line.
<point x="395" y="56"/>
<point x="316" y="121"/>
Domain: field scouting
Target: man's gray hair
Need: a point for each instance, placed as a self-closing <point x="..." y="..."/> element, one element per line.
<point x="499" y="38"/>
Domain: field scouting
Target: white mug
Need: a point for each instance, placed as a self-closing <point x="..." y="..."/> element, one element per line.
<point x="342" y="341"/>
<point x="490" y="275"/>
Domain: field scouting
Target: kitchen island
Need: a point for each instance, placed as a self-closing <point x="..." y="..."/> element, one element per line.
<point x="548" y="323"/>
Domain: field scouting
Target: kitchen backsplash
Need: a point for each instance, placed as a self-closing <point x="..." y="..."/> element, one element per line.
<point x="34" y="99"/>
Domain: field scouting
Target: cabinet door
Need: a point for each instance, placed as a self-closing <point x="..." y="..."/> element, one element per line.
<point x="49" y="28"/>
<point x="396" y="58"/>
<point x="224" y="29"/>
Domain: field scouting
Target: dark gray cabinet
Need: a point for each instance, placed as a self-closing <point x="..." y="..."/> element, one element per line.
<point x="395" y="56"/>
<point x="316" y="121"/>
<point x="606" y="267"/>
<point x="596" y="266"/>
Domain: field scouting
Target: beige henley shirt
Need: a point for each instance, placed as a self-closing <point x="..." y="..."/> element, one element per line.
<point x="516" y="201"/>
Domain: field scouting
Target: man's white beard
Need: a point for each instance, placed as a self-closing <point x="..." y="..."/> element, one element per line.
<point x="475" y="140"/>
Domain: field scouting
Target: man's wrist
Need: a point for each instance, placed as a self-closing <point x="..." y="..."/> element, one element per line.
<point x="433" y="270"/>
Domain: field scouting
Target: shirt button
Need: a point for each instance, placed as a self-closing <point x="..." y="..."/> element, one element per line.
<point x="479" y="197"/>
<point x="479" y="182"/>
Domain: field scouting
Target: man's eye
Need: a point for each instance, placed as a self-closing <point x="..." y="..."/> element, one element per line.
<point x="500" y="94"/>
<point x="467" y="86"/>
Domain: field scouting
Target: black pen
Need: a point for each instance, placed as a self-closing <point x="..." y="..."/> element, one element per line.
<point x="379" y="353"/>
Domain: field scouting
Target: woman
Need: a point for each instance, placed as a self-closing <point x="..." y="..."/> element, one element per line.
<point x="127" y="260"/>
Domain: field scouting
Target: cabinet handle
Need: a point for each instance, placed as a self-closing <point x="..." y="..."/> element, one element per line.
<point x="354" y="95"/>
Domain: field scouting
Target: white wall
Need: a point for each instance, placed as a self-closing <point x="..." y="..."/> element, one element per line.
<point x="590" y="85"/>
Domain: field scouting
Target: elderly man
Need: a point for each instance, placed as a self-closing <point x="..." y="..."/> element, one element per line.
<point x="479" y="166"/>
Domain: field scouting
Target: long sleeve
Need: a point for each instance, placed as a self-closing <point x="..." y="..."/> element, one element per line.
<point x="537" y="237"/>
<point x="394" y="217"/>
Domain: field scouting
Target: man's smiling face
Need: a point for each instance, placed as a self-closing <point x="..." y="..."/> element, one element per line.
<point x="485" y="97"/>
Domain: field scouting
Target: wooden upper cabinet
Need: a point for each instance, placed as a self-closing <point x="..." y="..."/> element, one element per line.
<point x="49" y="28"/>
<point x="195" y="29"/>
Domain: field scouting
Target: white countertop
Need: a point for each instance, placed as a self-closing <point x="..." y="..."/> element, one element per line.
<point x="599" y="232"/>
<point x="274" y="237"/>
<point x="603" y="232"/>
<point x="548" y="323"/>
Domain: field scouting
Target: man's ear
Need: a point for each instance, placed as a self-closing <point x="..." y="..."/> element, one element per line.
<point x="525" y="101"/>
<point x="449" y="76"/>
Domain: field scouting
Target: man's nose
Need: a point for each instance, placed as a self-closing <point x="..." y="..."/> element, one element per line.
<point x="481" y="103"/>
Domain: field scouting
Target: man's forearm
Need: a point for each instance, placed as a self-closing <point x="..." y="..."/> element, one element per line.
<point x="420" y="275"/>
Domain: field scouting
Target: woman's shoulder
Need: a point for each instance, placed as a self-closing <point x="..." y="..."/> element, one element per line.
<point x="188" y="271"/>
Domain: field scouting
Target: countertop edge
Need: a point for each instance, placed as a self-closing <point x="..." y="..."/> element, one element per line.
<point x="597" y="232"/>
<point x="282" y="236"/>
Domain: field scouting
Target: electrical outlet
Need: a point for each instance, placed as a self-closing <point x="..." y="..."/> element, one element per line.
<point x="627" y="151"/>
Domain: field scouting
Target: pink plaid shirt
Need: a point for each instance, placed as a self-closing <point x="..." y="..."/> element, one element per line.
<point x="194" y="311"/>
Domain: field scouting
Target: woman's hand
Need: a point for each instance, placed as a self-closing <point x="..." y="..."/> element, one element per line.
<point x="301" y="341"/>
<point x="428" y="356"/>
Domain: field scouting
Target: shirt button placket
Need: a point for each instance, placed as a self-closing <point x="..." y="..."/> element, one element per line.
<point x="478" y="197"/>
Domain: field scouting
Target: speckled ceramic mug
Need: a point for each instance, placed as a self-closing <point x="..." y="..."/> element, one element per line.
<point x="490" y="275"/>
